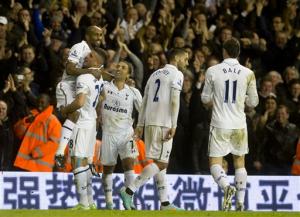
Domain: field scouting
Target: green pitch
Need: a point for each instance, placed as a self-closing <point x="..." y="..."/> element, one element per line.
<point x="102" y="213"/>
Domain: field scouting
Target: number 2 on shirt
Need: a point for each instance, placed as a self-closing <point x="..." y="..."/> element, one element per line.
<point x="97" y="87"/>
<point x="155" y="99"/>
<point x="234" y="85"/>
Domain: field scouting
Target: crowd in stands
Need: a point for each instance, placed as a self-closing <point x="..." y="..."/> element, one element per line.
<point x="36" y="35"/>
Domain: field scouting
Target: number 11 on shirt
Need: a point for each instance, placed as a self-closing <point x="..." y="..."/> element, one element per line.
<point x="234" y="84"/>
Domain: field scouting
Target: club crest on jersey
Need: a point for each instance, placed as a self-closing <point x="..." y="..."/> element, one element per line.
<point x="116" y="103"/>
<point x="74" y="54"/>
<point x="79" y="85"/>
<point x="179" y="82"/>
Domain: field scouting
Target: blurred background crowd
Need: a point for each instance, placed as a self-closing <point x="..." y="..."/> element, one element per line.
<point x="35" y="38"/>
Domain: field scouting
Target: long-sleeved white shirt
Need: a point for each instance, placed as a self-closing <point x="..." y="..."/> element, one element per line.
<point x="229" y="86"/>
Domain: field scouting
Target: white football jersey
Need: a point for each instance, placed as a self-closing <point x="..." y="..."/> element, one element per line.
<point x="117" y="108"/>
<point x="158" y="89"/>
<point x="77" y="54"/>
<point x="229" y="85"/>
<point x="89" y="85"/>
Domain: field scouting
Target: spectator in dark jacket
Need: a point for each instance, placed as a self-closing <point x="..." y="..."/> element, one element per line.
<point x="8" y="141"/>
<point x="280" y="144"/>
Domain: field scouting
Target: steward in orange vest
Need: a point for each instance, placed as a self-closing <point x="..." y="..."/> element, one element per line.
<point x="40" y="141"/>
<point x="22" y="125"/>
<point x="296" y="164"/>
<point x="141" y="160"/>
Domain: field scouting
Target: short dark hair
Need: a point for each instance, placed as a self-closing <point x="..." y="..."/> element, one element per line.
<point x="232" y="47"/>
<point x="293" y="82"/>
<point x="28" y="46"/>
<point x="103" y="55"/>
<point x="283" y="106"/>
<point x="175" y="52"/>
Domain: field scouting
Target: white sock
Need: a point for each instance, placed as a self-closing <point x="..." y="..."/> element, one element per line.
<point x="240" y="180"/>
<point x="219" y="175"/>
<point x="128" y="177"/>
<point x="148" y="172"/>
<point x="162" y="185"/>
<point x="107" y="186"/>
<point x="66" y="133"/>
<point x="90" y="187"/>
<point x="81" y="184"/>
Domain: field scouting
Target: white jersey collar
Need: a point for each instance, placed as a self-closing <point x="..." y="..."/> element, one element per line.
<point x="231" y="61"/>
<point x="112" y="83"/>
<point x="171" y="66"/>
<point x="83" y="41"/>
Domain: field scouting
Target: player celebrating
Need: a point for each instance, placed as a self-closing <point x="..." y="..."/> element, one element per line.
<point x="84" y="137"/>
<point x="159" y="115"/>
<point x="117" y="138"/>
<point x="65" y="91"/>
<point x="228" y="86"/>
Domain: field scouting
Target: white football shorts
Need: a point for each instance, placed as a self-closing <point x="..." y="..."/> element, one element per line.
<point x="117" y="144"/>
<point x="224" y="141"/>
<point x="156" y="148"/>
<point x="65" y="93"/>
<point x="82" y="142"/>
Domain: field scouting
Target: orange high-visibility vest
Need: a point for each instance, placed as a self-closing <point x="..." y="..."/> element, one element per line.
<point x="296" y="164"/>
<point x="22" y="125"/>
<point x="40" y="142"/>
<point x="141" y="161"/>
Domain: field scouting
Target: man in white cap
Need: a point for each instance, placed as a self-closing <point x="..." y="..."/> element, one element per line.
<point x="3" y="20"/>
<point x="3" y="27"/>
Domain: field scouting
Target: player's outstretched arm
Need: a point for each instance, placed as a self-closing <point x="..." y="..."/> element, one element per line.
<point x="71" y="69"/>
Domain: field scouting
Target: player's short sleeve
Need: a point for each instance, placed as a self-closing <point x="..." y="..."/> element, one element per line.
<point x="82" y="84"/>
<point x="177" y="81"/>
<point x="75" y="53"/>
